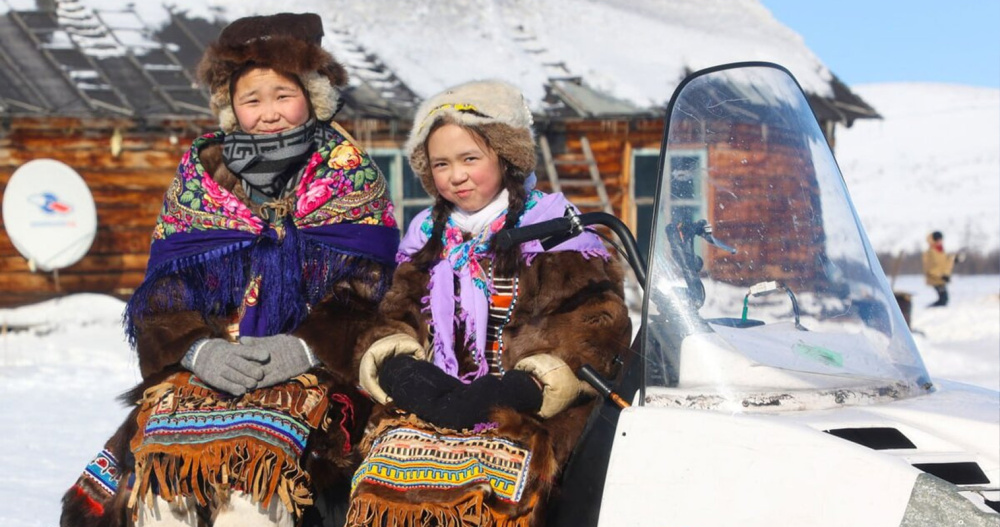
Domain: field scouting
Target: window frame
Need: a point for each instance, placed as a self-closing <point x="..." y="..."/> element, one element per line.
<point x="394" y="174"/>
<point x="637" y="202"/>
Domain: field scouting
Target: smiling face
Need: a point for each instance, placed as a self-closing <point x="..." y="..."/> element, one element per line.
<point x="268" y="102"/>
<point x="466" y="172"/>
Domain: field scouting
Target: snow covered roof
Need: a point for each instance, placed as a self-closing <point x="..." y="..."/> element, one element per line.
<point x="78" y="61"/>
<point x="635" y="52"/>
<point x="587" y="58"/>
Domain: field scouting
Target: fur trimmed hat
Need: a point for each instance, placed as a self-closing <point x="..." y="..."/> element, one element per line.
<point x="495" y="108"/>
<point x="285" y="42"/>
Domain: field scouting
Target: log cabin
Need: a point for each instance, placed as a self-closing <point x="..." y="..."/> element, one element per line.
<point x="116" y="99"/>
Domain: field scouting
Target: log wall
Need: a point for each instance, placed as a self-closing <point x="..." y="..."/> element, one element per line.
<point x="128" y="188"/>
<point x="743" y="182"/>
<point x="611" y="142"/>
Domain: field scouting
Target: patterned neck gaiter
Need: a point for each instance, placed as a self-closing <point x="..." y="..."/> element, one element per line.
<point x="267" y="162"/>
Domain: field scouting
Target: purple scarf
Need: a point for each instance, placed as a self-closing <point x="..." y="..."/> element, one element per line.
<point x="461" y="261"/>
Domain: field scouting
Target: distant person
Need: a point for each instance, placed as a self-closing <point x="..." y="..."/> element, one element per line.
<point x="273" y="246"/>
<point x="938" y="266"/>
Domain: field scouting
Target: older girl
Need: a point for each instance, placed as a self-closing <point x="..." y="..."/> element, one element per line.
<point x="273" y="247"/>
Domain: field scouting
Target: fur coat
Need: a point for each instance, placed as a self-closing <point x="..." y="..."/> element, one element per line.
<point x="331" y="327"/>
<point x="569" y="306"/>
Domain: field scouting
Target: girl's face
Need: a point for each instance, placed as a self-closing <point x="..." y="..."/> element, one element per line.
<point x="466" y="172"/>
<point x="267" y="102"/>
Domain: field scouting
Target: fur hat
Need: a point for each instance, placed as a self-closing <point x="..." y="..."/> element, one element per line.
<point x="495" y="108"/>
<point x="285" y="42"/>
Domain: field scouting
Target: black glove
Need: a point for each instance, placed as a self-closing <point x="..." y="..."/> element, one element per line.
<point x="413" y="383"/>
<point x="440" y="399"/>
<point x="521" y="391"/>
<point x="946" y="278"/>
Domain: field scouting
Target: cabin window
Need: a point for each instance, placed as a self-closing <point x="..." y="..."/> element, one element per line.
<point x="687" y="196"/>
<point x="644" y="164"/>
<point x="404" y="187"/>
<point x="686" y="199"/>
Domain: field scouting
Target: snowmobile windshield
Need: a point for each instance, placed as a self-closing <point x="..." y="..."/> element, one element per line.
<point x="763" y="292"/>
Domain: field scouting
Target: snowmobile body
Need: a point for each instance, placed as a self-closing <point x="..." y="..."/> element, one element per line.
<point x="861" y="466"/>
<point x="774" y="380"/>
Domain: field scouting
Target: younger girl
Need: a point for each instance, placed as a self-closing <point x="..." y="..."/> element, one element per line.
<point x="475" y="356"/>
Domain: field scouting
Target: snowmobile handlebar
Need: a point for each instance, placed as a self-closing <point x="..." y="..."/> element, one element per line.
<point x="591" y="377"/>
<point x="543" y="230"/>
<point x="557" y="230"/>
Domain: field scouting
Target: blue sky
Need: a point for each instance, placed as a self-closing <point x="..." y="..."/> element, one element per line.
<point x="868" y="41"/>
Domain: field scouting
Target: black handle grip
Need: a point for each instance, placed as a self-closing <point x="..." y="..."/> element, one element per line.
<point x="507" y="238"/>
<point x="591" y="377"/>
<point x="594" y="379"/>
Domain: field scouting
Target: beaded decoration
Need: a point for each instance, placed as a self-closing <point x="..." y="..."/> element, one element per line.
<point x="502" y="302"/>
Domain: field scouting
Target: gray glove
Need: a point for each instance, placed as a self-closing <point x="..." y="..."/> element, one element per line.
<point x="225" y="365"/>
<point x="289" y="357"/>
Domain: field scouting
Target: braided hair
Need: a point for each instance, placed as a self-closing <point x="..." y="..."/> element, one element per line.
<point x="505" y="261"/>
<point x="430" y="253"/>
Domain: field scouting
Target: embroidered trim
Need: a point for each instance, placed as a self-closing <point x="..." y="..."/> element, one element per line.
<point x="179" y="427"/>
<point x="103" y="470"/>
<point x="408" y="458"/>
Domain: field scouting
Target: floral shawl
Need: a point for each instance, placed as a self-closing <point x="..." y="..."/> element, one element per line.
<point x="460" y="261"/>
<point x="211" y="253"/>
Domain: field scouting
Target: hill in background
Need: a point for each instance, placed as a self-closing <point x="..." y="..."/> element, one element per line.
<point x="931" y="163"/>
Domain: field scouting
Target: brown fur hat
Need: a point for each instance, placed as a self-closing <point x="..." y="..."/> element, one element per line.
<point x="496" y="109"/>
<point x="285" y="42"/>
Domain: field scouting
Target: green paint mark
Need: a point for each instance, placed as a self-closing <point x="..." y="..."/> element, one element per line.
<point x="819" y="354"/>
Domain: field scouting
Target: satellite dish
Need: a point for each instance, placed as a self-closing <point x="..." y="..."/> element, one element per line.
<point x="49" y="214"/>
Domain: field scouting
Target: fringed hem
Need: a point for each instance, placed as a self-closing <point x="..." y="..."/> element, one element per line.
<point x="370" y="510"/>
<point x="208" y="471"/>
<point x="212" y="475"/>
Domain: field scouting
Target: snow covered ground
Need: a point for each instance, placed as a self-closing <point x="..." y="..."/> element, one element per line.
<point x="58" y="383"/>
<point x="59" y="380"/>
<point x="961" y="341"/>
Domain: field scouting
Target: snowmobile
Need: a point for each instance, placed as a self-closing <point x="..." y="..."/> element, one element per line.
<point x="773" y="380"/>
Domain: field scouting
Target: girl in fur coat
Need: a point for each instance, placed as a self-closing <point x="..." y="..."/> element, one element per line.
<point x="474" y="358"/>
<point x="273" y="247"/>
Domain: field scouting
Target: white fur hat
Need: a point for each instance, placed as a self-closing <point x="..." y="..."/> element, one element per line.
<point x="496" y="109"/>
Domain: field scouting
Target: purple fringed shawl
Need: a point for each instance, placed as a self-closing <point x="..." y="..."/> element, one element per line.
<point x="460" y="261"/>
<point x="209" y="249"/>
